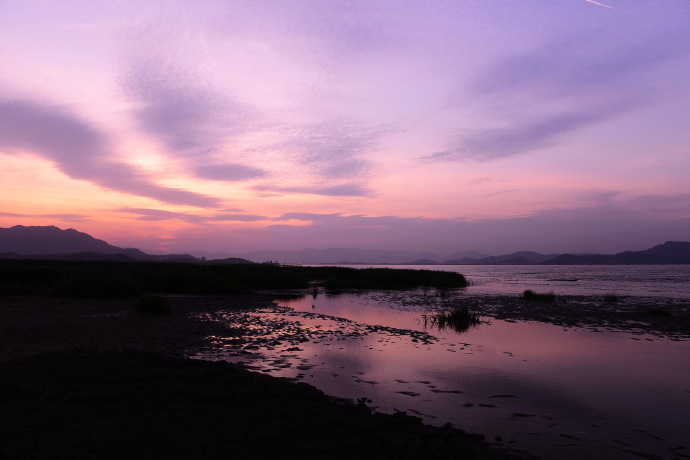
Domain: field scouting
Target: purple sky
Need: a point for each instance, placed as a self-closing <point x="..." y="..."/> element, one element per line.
<point x="560" y="126"/>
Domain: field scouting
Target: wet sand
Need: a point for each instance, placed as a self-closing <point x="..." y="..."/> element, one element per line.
<point x="665" y="317"/>
<point x="128" y="393"/>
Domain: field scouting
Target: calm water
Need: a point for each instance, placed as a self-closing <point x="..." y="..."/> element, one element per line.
<point x="560" y="393"/>
<point x="636" y="280"/>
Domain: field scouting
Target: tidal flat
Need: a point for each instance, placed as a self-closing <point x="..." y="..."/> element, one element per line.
<point x="95" y="378"/>
<point x="580" y="378"/>
<point x="585" y="377"/>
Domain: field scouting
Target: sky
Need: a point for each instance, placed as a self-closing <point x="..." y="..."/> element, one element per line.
<point x="444" y="126"/>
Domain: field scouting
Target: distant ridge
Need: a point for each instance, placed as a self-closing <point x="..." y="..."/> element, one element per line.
<point x="670" y="252"/>
<point x="515" y="258"/>
<point x="50" y="242"/>
<point x="53" y="243"/>
<point x="340" y="256"/>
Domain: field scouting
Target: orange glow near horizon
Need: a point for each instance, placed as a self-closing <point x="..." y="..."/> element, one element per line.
<point x="415" y="130"/>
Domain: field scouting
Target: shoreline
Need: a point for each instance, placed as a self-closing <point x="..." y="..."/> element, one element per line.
<point x="659" y="316"/>
<point x="128" y="393"/>
<point x="34" y="325"/>
<point x="138" y="405"/>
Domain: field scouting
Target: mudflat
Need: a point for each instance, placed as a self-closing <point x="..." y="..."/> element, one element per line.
<point x="96" y="379"/>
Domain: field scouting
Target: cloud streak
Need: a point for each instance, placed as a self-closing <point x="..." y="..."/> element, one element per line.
<point x="63" y="217"/>
<point x="229" y="172"/>
<point x="159" y="215"/>
<point x="528" y="135"/>
<point x="335" y="150"/>
<point x="343" y="190"/>
<point x="200" y="126"/>
<point x="80" y="151"/>
<point x="538" y="98"/>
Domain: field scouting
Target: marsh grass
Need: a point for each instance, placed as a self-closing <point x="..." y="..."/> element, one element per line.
<point x="658" y="311"/>
<point x="610" y="298"/>
<point x="459" y="320"/>
<point x="529" y="294"/>
<point x="130" y="279"/>
<point x="154" y="304"/>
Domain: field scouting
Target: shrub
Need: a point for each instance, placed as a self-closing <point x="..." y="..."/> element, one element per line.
<point x="539" y="297"/>
<point x="154" y="304"/>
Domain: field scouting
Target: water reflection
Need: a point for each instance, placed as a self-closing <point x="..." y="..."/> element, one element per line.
<point x="559" y="392"/>
<point x="669" y="281"/>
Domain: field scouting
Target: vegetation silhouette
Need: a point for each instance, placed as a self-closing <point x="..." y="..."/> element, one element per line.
<point x="459" y="320"/>
<point x="658" y="311"/>
<point x="529" y="294"/>
<point x="129" y="279"/>
<point x="610" y="298"/>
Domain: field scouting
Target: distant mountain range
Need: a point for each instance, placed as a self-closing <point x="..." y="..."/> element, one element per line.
<point x="20" y="242"/>
<point x="515" y="258"/>
<point x="340" y="256"/>
<point x="671" y="252"/>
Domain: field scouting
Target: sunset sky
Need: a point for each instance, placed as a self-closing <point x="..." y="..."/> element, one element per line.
<point x="489" y="125"/>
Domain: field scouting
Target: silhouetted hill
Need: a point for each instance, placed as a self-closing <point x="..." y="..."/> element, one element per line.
<point x="673" y="249"/>
<point x="475" y="255"/>
<point x="515" y="258"/>
<point x="338" y="255"/>
<point x="671" y="252"/>
<point x="52" y="240"/>
<point x="53" y="243"/>
<point x="81" y="256"/>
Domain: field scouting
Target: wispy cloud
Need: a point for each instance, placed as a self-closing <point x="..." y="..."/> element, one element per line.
<point x="198" y="125"/>
<point x="63" y="217"/>
<point x="344" y="190"/>
<point x="534" y="100"/>
<point x="336" y="149"/>
<point x="179" y="107"/>
<point x="175" y="107"/>
<point x="229" y="172"/>
<point x="306" y="216"/>
<point x="156" y="215"/>
<point x="80" y="151"/>
<point x="530" y="134"/>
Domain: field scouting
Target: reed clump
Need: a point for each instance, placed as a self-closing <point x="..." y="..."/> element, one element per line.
<point x="529" y="294"/>
<point x="658" y="311"/>
<point x="459" y="319"/>
<point x="610" y="298"/>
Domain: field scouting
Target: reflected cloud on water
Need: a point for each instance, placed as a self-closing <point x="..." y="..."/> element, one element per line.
<point x="556" y="391"/>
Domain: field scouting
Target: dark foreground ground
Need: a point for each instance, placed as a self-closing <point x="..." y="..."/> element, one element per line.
<point x="116" y="405"/>
<point x="129" y="395"/>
